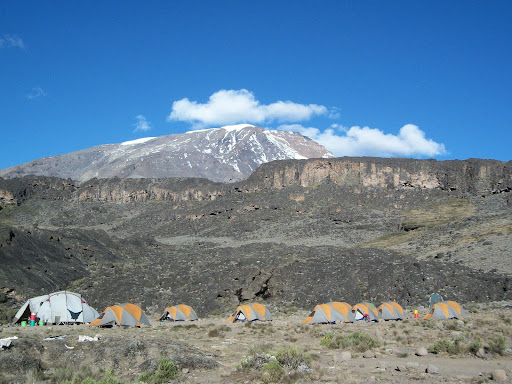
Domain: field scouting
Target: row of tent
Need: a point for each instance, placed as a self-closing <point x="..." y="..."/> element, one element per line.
<point x="69" y="307"/>
<point x="333" y="312"/>
<point x="65" y="307"/>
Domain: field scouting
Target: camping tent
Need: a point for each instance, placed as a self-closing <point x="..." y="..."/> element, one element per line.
<point x="124" y="314"/>
<point x="434" y="298"/>
<point x="250" y="312"/>
<point x="391" y="311"/>
<point x="58" y="307"/>
<point x="445" y="310"/>
<point x="179" y="312"/>
<point x="363" y="308"/>
<point x="330" y="313"/>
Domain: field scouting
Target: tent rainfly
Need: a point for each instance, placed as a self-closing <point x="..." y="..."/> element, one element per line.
<point x="61" y="307"/>
<point x="365" y="308"/>
<point x="445" y="310"/>
<point x="179" y="312"/>
<point x="128" y="315"/>
<point x="391" y="311"/>
<point x="250" y="312"/>
<point x="331" y="313"/>
<point x="433" y="299"/>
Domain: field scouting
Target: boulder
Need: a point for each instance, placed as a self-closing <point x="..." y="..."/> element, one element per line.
<point x="499" y="375"/>
<point x="421" y="351"/>
<point x="432" y="369"/>
<point x="482" y="354"/>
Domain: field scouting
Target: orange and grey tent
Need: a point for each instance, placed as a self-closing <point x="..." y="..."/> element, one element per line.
<point x="250" y="312"/>
<point x="445" y="310"/>
<point x="365" y="308"/>
<point x="330" y="313"/>
<point x="391" y="311"/>
<point x="124" y="315"/>
<point x="179" y="312"/>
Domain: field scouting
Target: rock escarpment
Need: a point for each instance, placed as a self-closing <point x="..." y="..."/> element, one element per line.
<point x="474" y="177"/>
<point x="293" y="234"/>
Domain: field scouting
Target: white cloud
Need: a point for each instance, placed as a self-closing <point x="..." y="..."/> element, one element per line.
<point x="142" y="124"/>
<point x="10" y="41"/>
<point x="35" y="93"/>
<point x="240" y="106"/>
<point x="357" y="141"/>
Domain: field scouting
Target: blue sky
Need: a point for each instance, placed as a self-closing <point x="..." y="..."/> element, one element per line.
<point x="386" y="78"/>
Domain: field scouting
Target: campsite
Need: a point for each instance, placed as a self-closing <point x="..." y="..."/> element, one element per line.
<point x="217" y="349"/>
<point x="291" y="249"/>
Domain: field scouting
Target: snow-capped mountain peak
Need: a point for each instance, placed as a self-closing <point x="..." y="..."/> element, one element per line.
<point x="225" y="154"/>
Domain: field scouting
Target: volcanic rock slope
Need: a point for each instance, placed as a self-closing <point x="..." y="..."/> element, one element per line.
<point x="224" y="154"/>
<point x="295" y="233"/>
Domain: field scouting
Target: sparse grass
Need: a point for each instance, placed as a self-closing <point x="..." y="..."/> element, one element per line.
<point x="219" y="331"/>
<point x="358" y="341"/>
<point x="272" y="367"/>
<point x="505" y="318"/>
<point x="85" y="376"/>
<point x="185" y="326"/>
<point x="417" y="219"/>
<point x="389" y="239"/>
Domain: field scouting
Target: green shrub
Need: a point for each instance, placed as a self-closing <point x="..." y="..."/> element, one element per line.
<point x="271" y="372"/>
<point x="219" y="331"/>
<point x="255" y="361"/>
<point x="445" y="345"/>
<point x="292" y="358"/>
<point x="497" y="345"/>
<point x="214" y="332"/>
<point x="327" y="340"/>
<point x="474" y="346"/>
<point x="85" y="376"/>
<point x="165" y="372"/>
<point x="357" y="340"/>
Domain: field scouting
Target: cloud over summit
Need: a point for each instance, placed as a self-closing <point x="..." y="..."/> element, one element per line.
<point x="366" y="141"/>
<point x="227" y="107"/>
<point x="240" y="106"/>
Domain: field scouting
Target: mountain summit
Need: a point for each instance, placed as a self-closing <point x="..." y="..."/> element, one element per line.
<point x="224" y="154"/>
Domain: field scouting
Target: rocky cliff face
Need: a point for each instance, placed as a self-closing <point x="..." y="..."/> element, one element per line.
<point x="471" y="176"/>
<point x="475" y="177"/>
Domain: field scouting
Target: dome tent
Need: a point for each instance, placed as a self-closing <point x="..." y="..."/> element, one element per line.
<point x="127" y="314"/>
<point x="61" y="307"/>
<point x="391" y="311"/>
<point x="445" y="310"/>
<point x="250" y="312"/>
<point x="433" y="299"/>
<point x="330" y="313"/>
<point x="179" y="312"/>
<point x="365" y="308"/>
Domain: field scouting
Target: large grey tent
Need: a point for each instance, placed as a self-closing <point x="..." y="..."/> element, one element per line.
<point x="58" y="307"/>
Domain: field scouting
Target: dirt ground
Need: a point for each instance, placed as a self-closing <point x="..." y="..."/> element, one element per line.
<point x="211" y="350"/>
